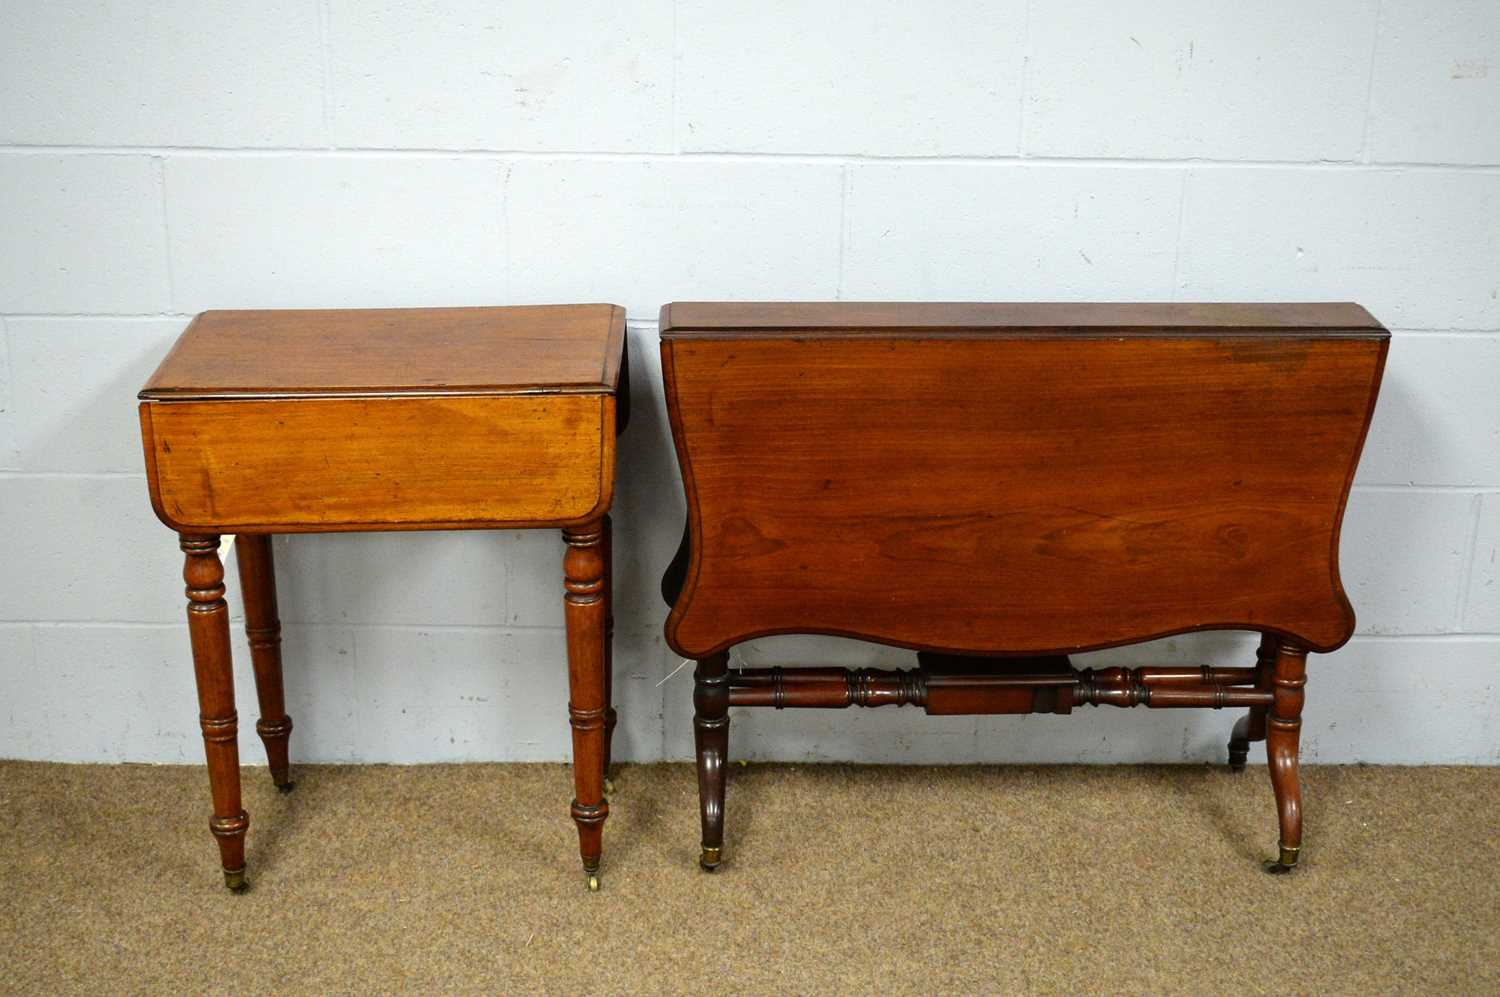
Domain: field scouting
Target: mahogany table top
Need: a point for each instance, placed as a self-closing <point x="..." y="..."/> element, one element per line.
<point x="495" y="350"/>
<point x="708" y="318"/>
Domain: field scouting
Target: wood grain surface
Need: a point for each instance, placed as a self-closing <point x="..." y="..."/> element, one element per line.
<point x="986" y="318"/>
<point x="319" y="464"/>
<point x="518" y="349"/>
<point x="1012" y="493"/>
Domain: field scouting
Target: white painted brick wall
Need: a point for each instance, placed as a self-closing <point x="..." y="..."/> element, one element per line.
<point x="640" y="233"/>
<point x="883" y="78"/>
<point x="475" y="74"/>
<point x="1435" y="92"/>
<point x="170" y="72"/>
<point x="1188" y="78"/>
<point x="87" y="548"/>
<point x="1438" y="421"/>
<point x="22" y="695"/>
<point x="297" y="231"/>
<point x="1482" y="607"/>
<point x="73" y="378"/>
<point x="1404" y="556"/>
<point x="1010" y="232"/>
<point x="1419" y="248"/>
<point x="83" y="233"/>
<point x="158" y="159"/>
<point x="10" y="449"/>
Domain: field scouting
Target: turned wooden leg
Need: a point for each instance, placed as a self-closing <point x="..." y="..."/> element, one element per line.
<point x="263" y="628"/>
<point x="208" y="627"/>
<point x="1252" y="726"/>
<point x="711" y="732"/>
<point x="1283" y="728"/>
<point x="609" y="649"/>
<point x="586" y="609"/>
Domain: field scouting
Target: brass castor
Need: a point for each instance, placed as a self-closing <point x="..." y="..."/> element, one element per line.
<point x="1286" y="862"/>
<point x="1239" y="753"/>
<point x="591" y="880"/>
<point x="710" y="859"/>
<point x="234" y="879"/>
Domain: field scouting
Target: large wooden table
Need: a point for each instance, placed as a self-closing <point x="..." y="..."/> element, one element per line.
<point x="266" y="422"/>
<point x="997" y="486"/>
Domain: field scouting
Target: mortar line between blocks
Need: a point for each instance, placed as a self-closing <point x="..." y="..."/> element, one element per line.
<point x="1439" y="333"/>
<point x="724" y="156"/>
<point x="75" y="475"/>
<point x="32" y="640"/>
<point x="1429" y="489"/>
<point x="1182" y="200"/>
<point x="166" y="230"/>
<point x="1025" y="76"/>
<point x="1364" y="134"/>
<point x="1471" y="555"/>
<point x="505" y="242"/>
<point x="104" y="316"/>
<point x="10" y="455"/>
<point x="676" y="144"/>
<point x="325" y="39"/>
<point x="844" y="181"/>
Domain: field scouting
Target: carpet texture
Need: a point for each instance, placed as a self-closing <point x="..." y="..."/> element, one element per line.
<point x="839" y="879"/>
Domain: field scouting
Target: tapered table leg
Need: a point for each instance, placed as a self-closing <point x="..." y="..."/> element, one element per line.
<point x="585" y="604"/>
<point x="1283" y="731"/>
<point x="208" y="627"/>
<point x="711" y="734"/>
<point x="263" y="629"/>
<point x="609" y="648"/>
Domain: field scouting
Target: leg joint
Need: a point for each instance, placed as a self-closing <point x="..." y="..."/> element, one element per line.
<point x="589" y="814"/>
<point x="274" y="728"/>
<point x="220" y="729"/>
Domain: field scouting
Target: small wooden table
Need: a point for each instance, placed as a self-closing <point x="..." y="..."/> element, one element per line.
<point x="265" y="422"/>
<point x="997" y="486"/>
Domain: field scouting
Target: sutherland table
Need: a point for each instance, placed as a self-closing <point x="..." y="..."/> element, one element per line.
<point x="996" y="486"/>
<point x="265" y="422"/>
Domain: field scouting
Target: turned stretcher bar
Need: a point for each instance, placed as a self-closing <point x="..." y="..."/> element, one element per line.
<point x="1010" y="688"/>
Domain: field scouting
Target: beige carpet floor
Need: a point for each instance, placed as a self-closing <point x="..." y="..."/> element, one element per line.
<point x="840" y="880"/>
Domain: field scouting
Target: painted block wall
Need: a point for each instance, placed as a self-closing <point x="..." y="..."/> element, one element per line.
<point x="157" y="159"/>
